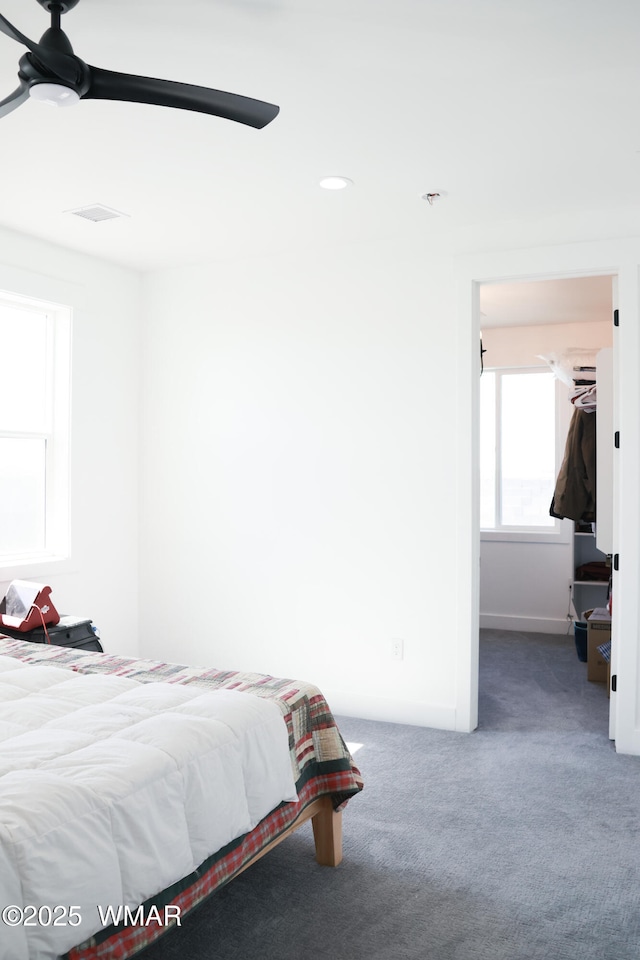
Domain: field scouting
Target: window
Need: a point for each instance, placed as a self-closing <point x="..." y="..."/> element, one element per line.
<point x="34" y="431"/>
<point x="519" y="444"/>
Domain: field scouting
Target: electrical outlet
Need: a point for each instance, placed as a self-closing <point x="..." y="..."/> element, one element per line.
<point x="397" y="649"/>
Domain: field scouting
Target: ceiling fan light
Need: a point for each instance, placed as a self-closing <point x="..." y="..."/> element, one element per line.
<point x="55" y="94"/>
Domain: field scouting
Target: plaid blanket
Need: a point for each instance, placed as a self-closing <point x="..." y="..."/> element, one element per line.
<point x="320" y="759"/>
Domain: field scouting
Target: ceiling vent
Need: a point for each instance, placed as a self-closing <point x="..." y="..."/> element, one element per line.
<point x="97" y="212"/>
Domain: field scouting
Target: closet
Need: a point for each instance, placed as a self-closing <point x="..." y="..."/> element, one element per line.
<point x="528" y="583"/>
<point x="583" y="492"/>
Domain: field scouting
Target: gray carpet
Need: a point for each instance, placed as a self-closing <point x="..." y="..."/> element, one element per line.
<point x="520" y="841"/>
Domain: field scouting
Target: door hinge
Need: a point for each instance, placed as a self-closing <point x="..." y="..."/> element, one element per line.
<point x="616" y="318"/>
<point x="616" y="561"/>
<point x="614" y="682"/>
<point x="616" y="439"/>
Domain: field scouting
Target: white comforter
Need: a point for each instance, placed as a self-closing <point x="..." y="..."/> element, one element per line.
<point x="111" y="790"/>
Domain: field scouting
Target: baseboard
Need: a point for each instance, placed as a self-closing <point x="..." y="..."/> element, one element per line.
<point x="413" y="712"/>
<point x="498" y="621"/>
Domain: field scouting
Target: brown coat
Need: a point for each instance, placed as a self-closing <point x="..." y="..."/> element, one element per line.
<point x="575" y="493"/>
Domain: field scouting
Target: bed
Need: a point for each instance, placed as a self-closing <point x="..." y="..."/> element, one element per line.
<point x="131" y="790"/>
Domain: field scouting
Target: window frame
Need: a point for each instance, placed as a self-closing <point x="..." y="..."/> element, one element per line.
<point x="57" y="436"/>
<point x="560" y="531"/>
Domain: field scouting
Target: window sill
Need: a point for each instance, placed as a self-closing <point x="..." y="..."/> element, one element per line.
<point x="526" y="536"/>
<point x="34" y="568"/>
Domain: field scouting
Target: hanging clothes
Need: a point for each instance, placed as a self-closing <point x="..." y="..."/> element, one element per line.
<point x="585" y="397"/>
<point x="575" y="492"/>
<point x="584" y="392"/>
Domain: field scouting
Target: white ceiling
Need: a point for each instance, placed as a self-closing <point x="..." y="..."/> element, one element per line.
<point x="510" y="108"/>
<point x="538" y="302"/>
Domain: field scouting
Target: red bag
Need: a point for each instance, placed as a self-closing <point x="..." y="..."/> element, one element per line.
<point x="27" y="605"/>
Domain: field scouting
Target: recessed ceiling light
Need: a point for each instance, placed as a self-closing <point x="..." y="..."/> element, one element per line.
<point x="335" y="183"/>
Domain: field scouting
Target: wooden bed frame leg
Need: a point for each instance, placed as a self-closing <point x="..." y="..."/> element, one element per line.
<point x="327" y="834"/>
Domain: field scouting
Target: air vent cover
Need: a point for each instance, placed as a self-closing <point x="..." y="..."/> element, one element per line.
<point x="97" y="212"/>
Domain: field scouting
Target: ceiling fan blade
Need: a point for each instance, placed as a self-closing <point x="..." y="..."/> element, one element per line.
<point x="14" y="100"/>
<point x="107" y="85"/>
<point x="11" y="31"/>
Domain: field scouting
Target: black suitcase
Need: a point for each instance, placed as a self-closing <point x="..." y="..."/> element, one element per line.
<point x="69" y="632"/>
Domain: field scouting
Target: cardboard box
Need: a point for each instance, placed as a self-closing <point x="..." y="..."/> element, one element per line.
<point x="598" y="632"/>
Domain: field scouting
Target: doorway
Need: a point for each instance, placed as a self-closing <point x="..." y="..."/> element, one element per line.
<point x="620" y="258"/>
<point x="529" y="330"/>
<point x="533" y="334"/>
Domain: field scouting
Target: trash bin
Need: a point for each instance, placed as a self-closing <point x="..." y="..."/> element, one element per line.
<point x="580" y="635"/>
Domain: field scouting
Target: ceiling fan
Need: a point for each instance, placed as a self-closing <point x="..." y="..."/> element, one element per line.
<point x="51" y="71"/>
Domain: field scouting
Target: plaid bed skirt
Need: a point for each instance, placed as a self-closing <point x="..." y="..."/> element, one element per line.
<point x="320" y="760"/>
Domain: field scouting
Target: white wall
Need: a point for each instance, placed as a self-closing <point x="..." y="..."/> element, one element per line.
<point x="525" y="586"/>
<point x="300" y="477"/>
<point x="100" y="581"/>
<point x="310" y="469"/>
